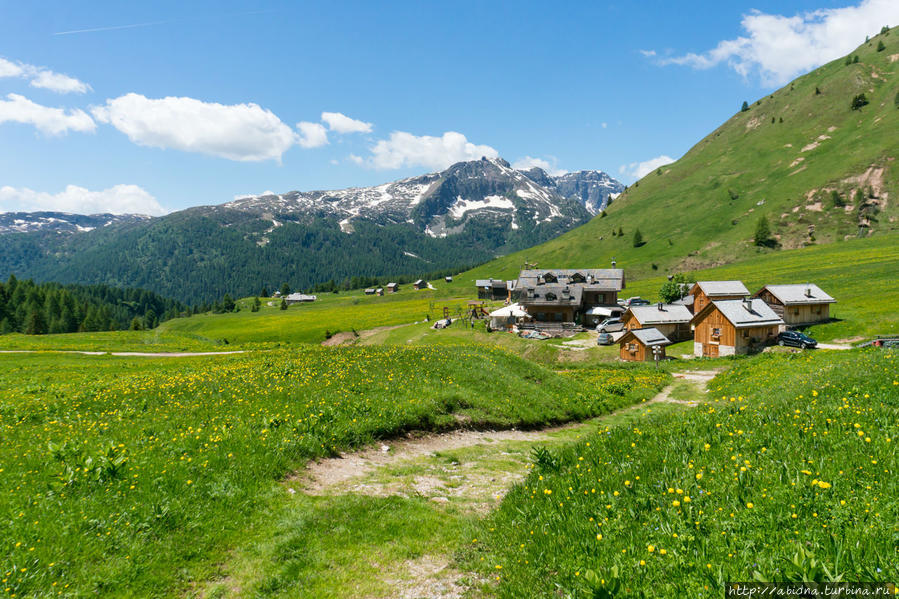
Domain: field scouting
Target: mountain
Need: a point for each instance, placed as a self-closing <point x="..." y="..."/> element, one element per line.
<point x="464" y="215"/>
<point x="816" y="159"/>
<point x="61" y="222"/>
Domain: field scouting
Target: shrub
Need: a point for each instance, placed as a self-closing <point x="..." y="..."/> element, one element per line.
<point x="858" y="101"/>
<point x="837" y="199"/>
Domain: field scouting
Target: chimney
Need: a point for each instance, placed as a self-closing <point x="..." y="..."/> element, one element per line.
<point x="661" y="307"/>
<point x="613" y="263"/>
<point x="747" y="303"/>
<point x="808" y="290"/>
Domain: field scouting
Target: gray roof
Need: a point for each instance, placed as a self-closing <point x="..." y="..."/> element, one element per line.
<point x="648" y="337"/>
<point x="670" y="314"/>
<point x="490" y="283"/>
<point x="714" y="288"/>
<point x="565" y="295"/>
<point x="737" y="313"/>
<point x="806" y="293"/>
<point x="687" y="300"/>
<point x="608" y="279"/>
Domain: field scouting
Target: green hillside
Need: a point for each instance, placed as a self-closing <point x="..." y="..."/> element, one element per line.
<point x="781" y="159"/>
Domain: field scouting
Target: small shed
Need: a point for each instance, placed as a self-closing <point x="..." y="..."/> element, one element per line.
<point x="797" y="304"/>
<point x="369" y="291"/>
<point x="704" y="292"/>
<point x="379" y="291"/>
<point x="300" y="298"/>
<point x="392" y="287"/>
<point x="636" y="345"/>
<point x="420" y="284"/>
<point x="492" y="289"/>
<point x="671" y="320"/>
<point x="728" y="327"/>
<point x="448" y="279"/>
<point x="276" y="294"/>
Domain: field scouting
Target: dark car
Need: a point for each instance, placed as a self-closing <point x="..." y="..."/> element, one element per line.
<point x="636" y="301"/>
<point x="795" y="339"/>
<point x="610" y="325"/>
<point x="604" y="339"/>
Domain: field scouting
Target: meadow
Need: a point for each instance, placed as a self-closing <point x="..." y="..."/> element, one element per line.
<point x="787" y="472"/>
<point x="138" y="477"/>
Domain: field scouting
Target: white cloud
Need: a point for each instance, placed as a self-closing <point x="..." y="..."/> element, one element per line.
<point x="341" y="123"/>
<point x="605" y="125"/>
<point x="638" y="170"/>
<point x="648" y="53"/>
<point x="528" y="162"/>
<point x="243" y="132"/>
<point x="780" y="48"/>
<point x="52" y="121"/>
<point x="43" y="78"/>
<point x="312" y="135"/>
<point x="406" y="150"/>
<point x="119" y="199"/>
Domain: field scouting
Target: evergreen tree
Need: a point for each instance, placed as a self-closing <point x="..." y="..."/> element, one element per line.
<point x="285" y="289"/>
<point x="228" y="303"/>
<point x="35" y="324"/>
<point x="135" y="324"/>
<point x="858" y="101"/>
<point x="880" y="46"/>
<point x="745" y="107"/>
<point x="620" y="232"/>
<point x="283" y="303"/>
<point x="150" y="320"/>
<point x="264" y="292"/>
<point x="763" y="233"/>
<point x="638" y="238"/>
<point x="256" y="304"/>
<point x="837" y="199"/>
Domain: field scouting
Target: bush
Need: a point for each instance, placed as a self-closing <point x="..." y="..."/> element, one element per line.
<point x="858" y="101"/>
<point x="837" y="199"/>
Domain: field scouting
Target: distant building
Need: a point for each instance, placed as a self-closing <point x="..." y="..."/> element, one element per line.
<point x="704" y="292"/>
<point x="673" y="321"/>
<point x="448" y="279"/>
<point x="636" y="345"/>
<point x="392" y="287"/>
<point x="797" y="304"/>
<point x="492" y="289"/>
<point x="298" y="298"/>
<point x="583" y="296"/>
<point x="369" y="291"/>
<point x="276" y="294"/>
<point x="420" y="284"/>
<point x="379" y="291"/>
<point x="728" y="327"/>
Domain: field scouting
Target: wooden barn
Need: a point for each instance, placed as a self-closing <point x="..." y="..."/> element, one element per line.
<point x="392" y="287"/>
<point x="636" y="345"/>
<point x="369" y="291"/>
<point x="729" y="327"/>
<point x="420" y="284"/>
<point x="492" y="289"/>
<point x="704" y="292"/>
<point x="670" y="320"/>
<point x="379" y="291"/>
<point x="797" y="305"/>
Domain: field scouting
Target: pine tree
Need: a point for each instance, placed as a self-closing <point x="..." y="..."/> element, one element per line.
<point x="228" y="303"/>
<point x="285" y="289"/>
<point x="763" y="233"/>
<point x="880" y="46"/>
<point x="264" y="292"/>
<point x="620" y="232"/>
<point x="638" y="238"/>
<point x="283" y="303"/>
<point x="745" y="107"/>
<point x="256" y="304"/>
<point x="837" y="199"/>
<point x="35" y="324"/>
<point x="859" y="101"/>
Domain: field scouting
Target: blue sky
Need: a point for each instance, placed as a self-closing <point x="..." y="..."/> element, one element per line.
<point x="153" y="107"/>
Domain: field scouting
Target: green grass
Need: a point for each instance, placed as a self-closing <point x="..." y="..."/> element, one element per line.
<point x="790" y="474"/>
<point x="156" y="340"/>
<point x="136" y="477"/>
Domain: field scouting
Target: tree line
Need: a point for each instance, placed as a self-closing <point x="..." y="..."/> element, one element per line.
<point x="41" y="308"/>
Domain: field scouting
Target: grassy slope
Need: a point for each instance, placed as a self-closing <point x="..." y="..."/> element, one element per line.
<point x="749" y="461"/>
<point x="135" y="476"/>
<point x="686" y="214"/>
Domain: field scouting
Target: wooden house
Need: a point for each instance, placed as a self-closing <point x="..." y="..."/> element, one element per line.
<point x="492" y="289"/>
<point x="704" y="292"/>
<point x="299" y="298"/>
<point x="369" y="291"/>
<point x="552" y="303"/>
<point x="728" y="327"/>
<point x="637" y="345"/>
<point x="392" y="287"/>
<point x="379" y="291"/>
<point x="569" y="295"/>
<point x="673" y="321"/>
<point x="420" y="284"/>
<point x="797" y="305"/>
<point x="448" y="279"/>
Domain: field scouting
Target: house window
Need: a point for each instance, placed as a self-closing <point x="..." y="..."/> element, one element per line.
<point x="551" y="296"/>
<point x="795" y="311"/>
<point x="716" y="332"/>
<point x="632" y="347"/>
<point x="746" y="334"/>
<point x="818" y="310"/>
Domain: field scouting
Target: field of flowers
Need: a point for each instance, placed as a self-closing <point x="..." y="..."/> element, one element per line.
<point x="788" y="472"/>
<point x="135" y="477"/>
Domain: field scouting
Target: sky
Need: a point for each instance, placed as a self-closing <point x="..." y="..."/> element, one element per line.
<point x="153" y="107"/>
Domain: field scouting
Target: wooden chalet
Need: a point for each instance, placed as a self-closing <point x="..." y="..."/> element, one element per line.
<point x="392" y="287"/>
<point x="299" y="298"/>
<point x="492" y="289"/>
<point x="420" y="284"/>
<point x="673" y="321"/>
<point x="379" y="291"/>
<point x="704" y="292"/>
<point x="636" y="345"/>
<point x="797" y="305"/>
<point x="369" y="291"/>
<point x="569" y="295"/>
<point x="448" y="279"/>
<point x="729" y="327"/>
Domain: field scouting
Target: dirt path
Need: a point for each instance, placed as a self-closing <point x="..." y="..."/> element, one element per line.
<point x="833" y="346"/>
<point x="469" y="471"/>
<point x="347" y="337"/>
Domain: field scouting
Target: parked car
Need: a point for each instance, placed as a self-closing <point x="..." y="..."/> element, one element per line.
<point x="604" y="339"/>
<point x="610" y="325"/>
<point x="635" y="301"/>
<point x="796" y="339"/>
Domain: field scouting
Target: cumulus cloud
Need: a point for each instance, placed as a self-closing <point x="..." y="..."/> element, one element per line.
<point x="52" y="121"/>
<point x="780" y="48"/>
<point x="638" y="170"/>
<point x="529" y="162"/>
<point x="403" y="149"/>
<point x="243" y="132"/>
<point x="341" y="123"/>
<point x="312" y="135"/>
<point x="42" y="77"/>
<point x="119" y="199"/>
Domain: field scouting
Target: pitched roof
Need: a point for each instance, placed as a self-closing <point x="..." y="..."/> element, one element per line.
<point x="552" y="295"/>
<point x="807" y="293"/>
<point x="647" y="337"/>
<point x="670" y="314"/>
<point x="600" y="279"/>
<point x="713" y="288"/>
<point x="745" y="313"/>
<point x="490" y="283"/>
